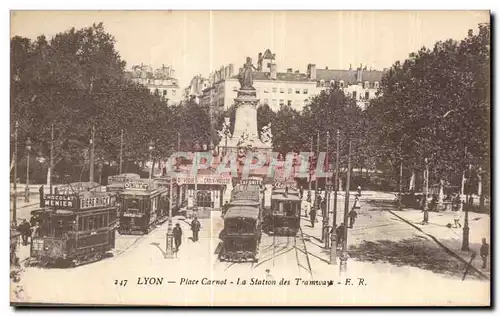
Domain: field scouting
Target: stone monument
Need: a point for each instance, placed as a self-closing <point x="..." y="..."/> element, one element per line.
<point x="245" y="136"/>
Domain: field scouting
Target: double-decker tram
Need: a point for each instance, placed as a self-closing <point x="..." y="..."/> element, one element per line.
<point x="283" y="217"/>
<point x="143" y="205"/>
<point x="242" y="232"/>
<point x="73" y="227"/>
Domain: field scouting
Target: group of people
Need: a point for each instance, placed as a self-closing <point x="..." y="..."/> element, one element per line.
<point x="320" y="204"/>
<point x="177" y="232"/>
<point x="27" y="230"/>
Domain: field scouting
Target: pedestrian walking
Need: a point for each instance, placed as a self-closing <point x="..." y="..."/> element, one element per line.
<point x="484" y="252"/>
<point x="301" y="192"/>
<point x="306" y="205"/>
<point x="352" y="217"/>
<point x="312" y="215"/>
<point x="359" y="190"/>
<point x="456" y="218"/>
<point x="195" y="227"/>
<point x="177" y="231"/>
<point x="25" y="230"/>
<point x="225" y="207"/>
<point x="340" y="234"/>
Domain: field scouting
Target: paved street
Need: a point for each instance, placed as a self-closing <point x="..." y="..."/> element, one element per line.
<point x="384" y="250"/>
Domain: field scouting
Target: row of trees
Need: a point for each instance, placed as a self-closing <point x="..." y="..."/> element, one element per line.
<point x="433" y="105"/>
<point x="75" y="81"/>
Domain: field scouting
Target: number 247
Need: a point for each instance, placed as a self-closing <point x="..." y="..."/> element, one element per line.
<point x="121" y="282"/>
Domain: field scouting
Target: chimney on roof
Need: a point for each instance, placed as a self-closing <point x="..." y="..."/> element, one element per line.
<point x="273" y="71"/>
<point x="297" y="71"/>
<point x="311" y="71"/>
<point x="289" y="70"/>
<point x="326" y="67"/>
<point x="350" y="66"/>
<point x="359" y="75"/>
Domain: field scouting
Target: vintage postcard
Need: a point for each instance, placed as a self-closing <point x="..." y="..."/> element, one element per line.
<point x="250" y="158"/>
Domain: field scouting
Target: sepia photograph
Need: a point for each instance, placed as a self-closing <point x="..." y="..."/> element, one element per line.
<point x="250" y="158"/>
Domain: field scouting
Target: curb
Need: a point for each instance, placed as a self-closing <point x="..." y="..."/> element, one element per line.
<point x="448" y="250"/>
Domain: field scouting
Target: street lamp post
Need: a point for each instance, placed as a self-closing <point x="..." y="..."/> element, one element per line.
<point x="465" y="231"/>
<point x="327" y="197"/>
<point x="151" y="147"/>
<point x="426" y="209"/>
<point x="121" y="151"/>
<point x="309" y="197"/>
<point x="400" y="183"/>
<point x="14" y="201"/>
<point x="333" y="236"/>
<point x="169" y="249"/>
<point x="27" y="189"/>
<point x="343" y="257"/>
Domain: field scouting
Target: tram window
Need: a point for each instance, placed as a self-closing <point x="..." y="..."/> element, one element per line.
<point x="80" y="223"/>
<point x="105" y="218"/>
<point x="132" y="205"/>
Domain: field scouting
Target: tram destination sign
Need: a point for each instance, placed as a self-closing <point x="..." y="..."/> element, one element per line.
<point x="139" y="185"/>
<point x="98" y="201"/>
<point x="59" y="200"/>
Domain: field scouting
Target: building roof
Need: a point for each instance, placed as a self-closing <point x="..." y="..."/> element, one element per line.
<point x="242" y="211"/>
<point x="280" y="76"/>
<point x="267" y="55"/>
<point x="348" y="76"/>
<point x="290" y="197"/>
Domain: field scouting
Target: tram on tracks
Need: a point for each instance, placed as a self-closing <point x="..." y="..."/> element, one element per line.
<point x="73" y="227"/>
<point x="143" y="205"/>
<point x="283" y="217"/>
<point x="242" y="232"/>
<point x="242" y="224"/>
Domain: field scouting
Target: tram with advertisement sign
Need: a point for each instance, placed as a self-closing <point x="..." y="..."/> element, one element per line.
<point x="117" y="183"/>
<point x="242" y="223"/>
<point x="143" y="205"/>
<point x="283" y="217"/>
<point x="73" y="229"/>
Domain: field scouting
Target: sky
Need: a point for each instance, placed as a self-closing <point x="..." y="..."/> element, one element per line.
<point x="198" y="42"/>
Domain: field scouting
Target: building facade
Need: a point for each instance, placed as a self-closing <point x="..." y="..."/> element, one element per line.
<point x="291" y="88"/>
<point x="161" y="81"/>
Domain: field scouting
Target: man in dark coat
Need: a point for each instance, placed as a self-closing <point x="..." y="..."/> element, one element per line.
<point x="340" y="234"/>
<point x="177" y="231"/>
<point x="195" y="227"/>
<point x="25" y="229"/>
<point x="484" y="252"/>
<point x="312" y="215"/>
<point x="352" y="217"/>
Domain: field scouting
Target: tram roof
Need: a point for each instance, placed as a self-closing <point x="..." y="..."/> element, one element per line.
<point x="290" y="197"/>
<point x="143" y="192"/>
<point x="242" y="211"/>
<point x="243" y="202"/>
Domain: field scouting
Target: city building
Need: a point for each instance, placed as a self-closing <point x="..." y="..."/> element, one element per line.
<point x="195" y="89"/>
<point x="161" y="81"/>
<point x="360" y="83"/>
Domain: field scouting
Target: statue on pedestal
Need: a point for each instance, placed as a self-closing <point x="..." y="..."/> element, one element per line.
<point x="245" y="75"/>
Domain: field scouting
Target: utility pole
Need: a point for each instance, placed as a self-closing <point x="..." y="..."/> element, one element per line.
<point x="465" y="230"/>
<point x="14" y="202"/>
<point x="426" y="209"/>
<point x="27" y="189"/>
<point x="178" y="141"/>
<point x="400" y="182"/>
<point x="92" y="148"/>
<point x="327" y="197"/>
<point x="121" y="151"/>
<point x="51" y="157"/>
<point x="317" y="157"/>
<point x="343" y="258"/>
<point x="309" y="196"/>
<point x="333" y="237"/>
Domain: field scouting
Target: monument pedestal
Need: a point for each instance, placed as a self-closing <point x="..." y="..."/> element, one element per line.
<point x="245" y="135"/>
